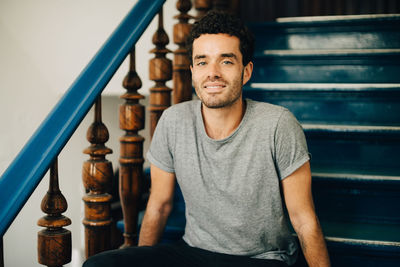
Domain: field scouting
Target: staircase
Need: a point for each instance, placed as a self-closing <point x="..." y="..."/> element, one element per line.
<point x="340" y="76"/>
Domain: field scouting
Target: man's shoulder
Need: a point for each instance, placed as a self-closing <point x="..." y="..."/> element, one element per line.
<point x="181" y="110"/>
<point x="266" y="110"/>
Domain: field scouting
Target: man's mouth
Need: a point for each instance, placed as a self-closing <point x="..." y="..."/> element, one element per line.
<point x="214" y="87"/>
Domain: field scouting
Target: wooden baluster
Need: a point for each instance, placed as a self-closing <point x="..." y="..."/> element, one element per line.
<point x="131" y="119"/>
<point x="182" y="79"/>
<point x="160" y="72"/>
<point x="97" y="174"/>
<point x="202" y="7"/>
<point x="54" y="242"/>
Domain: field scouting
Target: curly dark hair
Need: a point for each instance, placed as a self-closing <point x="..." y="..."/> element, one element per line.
<point x="215" y="22"/>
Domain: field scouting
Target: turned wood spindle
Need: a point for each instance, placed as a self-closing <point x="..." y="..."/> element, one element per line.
<point x="160" y="70"/>
<point x="97" y="175"/>
<point x="182" y="79"/>
<point x="54" y="242"/>
<point x="131" y="120"/>
<point x="202" y="7"/>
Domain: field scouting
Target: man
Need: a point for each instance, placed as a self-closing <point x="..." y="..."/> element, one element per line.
<point x="239" y="163"/>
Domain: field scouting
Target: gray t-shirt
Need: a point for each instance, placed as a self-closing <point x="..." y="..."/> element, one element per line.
<point x="231" y="187"/>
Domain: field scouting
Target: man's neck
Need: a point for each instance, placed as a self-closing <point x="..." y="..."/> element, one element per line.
<point x="219" y="123"/>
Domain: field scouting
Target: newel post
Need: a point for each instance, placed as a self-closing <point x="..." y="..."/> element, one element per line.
<point x="131" y="120"/>
<point x="182" y="78"/>
<point x="97" y="173"/>
<point x="54" y="242"/>
<point x="160" y="69"/>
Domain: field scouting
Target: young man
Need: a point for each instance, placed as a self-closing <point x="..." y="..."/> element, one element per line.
<point x="239" y="164"/>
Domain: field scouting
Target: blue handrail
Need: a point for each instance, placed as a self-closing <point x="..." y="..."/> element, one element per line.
<point x="25" y="172"/>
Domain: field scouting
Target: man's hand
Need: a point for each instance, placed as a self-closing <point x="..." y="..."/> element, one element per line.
<point x="158" y="207"/>
<point x="300" y="206"/>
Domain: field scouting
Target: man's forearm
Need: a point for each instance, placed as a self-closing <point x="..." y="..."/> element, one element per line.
<point x="313" y="244"/>
<point x="152" y="226"/>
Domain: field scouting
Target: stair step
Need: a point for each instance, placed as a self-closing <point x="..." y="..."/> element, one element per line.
<point x="371" y="18"/>
<point x="363" y="66"/>
<point x="329" y="32"/>
<point x="326" y="87"/>
<point x="365" y="104"/>
<point x="354" y="149"/>
<point x="371" y="253"/>
<point x="308" y="53"/>
<point x="349" y="131"/>
<point x="367" y="233"/>
<point x="358" y="198"/>
<point x="389" y="180"/>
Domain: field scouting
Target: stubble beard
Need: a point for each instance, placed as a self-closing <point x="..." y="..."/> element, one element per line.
<point x="226" y="99"/>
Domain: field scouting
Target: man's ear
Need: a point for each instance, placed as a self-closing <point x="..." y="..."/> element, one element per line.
<point x="191" y="68"/>
<point x="248" y="70"/>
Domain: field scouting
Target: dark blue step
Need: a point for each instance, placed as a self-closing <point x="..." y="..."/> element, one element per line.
<point x="360" y="245"/>
<point x="373" y="232"/>
<point x="336" y="32"/>
<point x="354" y="149"/>
<point x="356" y="198"/>
<point x="364" y="253"/>
<point x="321" y="66"/>
<point x="334" y="103"/>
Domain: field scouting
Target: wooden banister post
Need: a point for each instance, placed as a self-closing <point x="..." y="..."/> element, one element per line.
<point x="131" y="120"/>
<point x="182" y="79"/>
<point x="202" y="7"/>
<point x="54" y="242"/>
<point x="160" y="71"/>
<point x="97" y="173"/>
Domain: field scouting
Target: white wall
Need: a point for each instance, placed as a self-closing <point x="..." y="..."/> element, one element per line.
<point x="44" y="46"/>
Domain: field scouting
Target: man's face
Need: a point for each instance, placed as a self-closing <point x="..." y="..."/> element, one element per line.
<point x="218" y="73"/>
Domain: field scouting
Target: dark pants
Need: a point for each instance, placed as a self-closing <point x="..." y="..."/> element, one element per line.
<point x="174" y="255"/>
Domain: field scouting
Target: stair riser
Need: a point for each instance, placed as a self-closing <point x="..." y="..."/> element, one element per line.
<point x="365" y="108"/>
<point x="365" y="155"/>
<point x="320" y="40"/>
<point x="377" y="69"/>
<point x="357" y="201"/>
<point x="363" y="256"/>
<point x="346" y="253"/>
<point x="334" y="35"/>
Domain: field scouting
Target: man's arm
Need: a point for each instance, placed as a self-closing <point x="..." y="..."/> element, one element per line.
<point x="158" y="207"/>
<point x="299" y="202"/>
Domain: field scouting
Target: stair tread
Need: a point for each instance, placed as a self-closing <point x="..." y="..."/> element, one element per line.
<point x="383" y="234"/>
<point x="375" y="104"/>
<point x="337" y="18"/>
<point x="341" y="87"/>
<point x="329" y="52"/>
<point x="373" y="178"/>
<point x="329" y="68"/>
<point x="350" y="128"/>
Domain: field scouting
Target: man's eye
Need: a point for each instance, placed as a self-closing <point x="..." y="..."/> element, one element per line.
<point x="201" y="63"/>
<point x="227" y="62"/>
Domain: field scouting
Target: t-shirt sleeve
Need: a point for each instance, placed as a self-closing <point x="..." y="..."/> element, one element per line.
<point x="290" y="145"/>
<point x="160" y="151"/>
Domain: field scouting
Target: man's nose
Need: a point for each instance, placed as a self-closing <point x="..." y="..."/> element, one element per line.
<point x="214" y="71"/>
